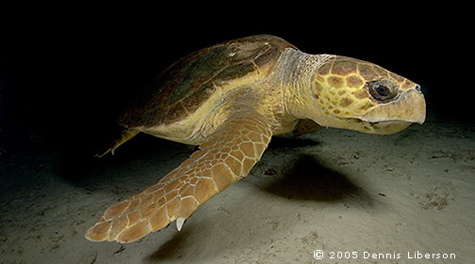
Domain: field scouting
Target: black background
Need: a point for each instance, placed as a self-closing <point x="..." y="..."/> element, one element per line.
<point x="66" y="70"/>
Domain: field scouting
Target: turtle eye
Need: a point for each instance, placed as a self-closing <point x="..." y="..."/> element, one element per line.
<point x="382" y="90"/>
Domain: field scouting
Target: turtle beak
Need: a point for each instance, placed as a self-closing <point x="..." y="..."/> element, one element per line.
<point x="410" y="107"/>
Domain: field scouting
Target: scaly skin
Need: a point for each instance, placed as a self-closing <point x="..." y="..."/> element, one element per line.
<point x="235" y="124"/>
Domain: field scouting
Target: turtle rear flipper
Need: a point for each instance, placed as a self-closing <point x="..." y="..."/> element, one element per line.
<point x="119" y="137"/>
<point x="228" y="156"/>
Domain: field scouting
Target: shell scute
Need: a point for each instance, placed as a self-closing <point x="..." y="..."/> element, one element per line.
<point x="234" y="72"/>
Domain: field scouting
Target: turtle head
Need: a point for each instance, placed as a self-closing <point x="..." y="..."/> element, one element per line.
<point x="362" y="96"/>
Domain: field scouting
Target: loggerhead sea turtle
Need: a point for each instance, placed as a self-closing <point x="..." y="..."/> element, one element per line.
<point x="230" y="99"/>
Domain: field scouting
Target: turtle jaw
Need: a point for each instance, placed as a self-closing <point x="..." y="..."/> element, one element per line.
<point x="384" y="127"/>
<point x="395" y="116"/>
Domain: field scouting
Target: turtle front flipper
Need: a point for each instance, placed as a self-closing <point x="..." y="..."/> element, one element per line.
<point x="228" y="156"/>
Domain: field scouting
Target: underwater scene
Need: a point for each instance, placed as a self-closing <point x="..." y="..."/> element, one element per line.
<point x="335" y="195"/>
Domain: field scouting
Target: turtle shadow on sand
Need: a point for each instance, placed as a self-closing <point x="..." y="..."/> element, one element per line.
<point x="308" y="179"/>
<point x="170" y="249"/>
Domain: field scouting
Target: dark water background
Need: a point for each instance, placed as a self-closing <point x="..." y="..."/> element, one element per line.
<point x="66" y="70"/>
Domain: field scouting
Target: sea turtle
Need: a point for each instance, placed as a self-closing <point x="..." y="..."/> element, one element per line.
<point x="229" y="99"/>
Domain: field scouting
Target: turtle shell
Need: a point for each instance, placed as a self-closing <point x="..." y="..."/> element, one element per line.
<point x="183" y="87"/>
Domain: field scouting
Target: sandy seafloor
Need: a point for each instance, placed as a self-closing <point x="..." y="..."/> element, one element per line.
<point x="333" y="190"/>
